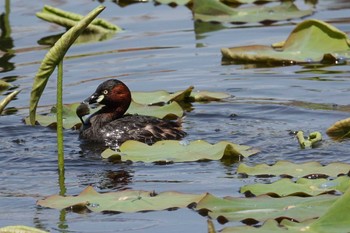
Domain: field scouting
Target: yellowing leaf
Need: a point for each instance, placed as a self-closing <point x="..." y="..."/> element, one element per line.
<point x="339" y="130"/>
<point x="310" y="41"/>
<point x="302" y="187"/>
<point x="122" y="201"/>
<point x="216" y="11"/>
<point x="295" y="169"/>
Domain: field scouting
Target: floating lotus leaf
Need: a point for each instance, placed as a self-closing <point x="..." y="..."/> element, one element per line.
<point x="335" y="219"/>
<point x="264" y="207"/>
<point x="302" y="187"/>
<point x="178" y="151"/>
<point x="310" y="41"/>
<point x="161" y="97"/>
<point x="295" y="169"/>
<point x="4" y="102"/>
<point x="70" y="119"/>
<point x="121" y="201"/>
<point x="340" y="130"/>
<point x="169" y="111"/>
<point x="216" y="11"/>
<point x="68" y="19"/>
<point x="20" y="229"/>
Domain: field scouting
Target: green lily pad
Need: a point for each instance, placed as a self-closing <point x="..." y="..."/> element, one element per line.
<point x="70" y="119"/>
<point x="178" y="151"/>
<point x="216" y="11"/>
<point x="339" y="130"/>
<point x="264" y="207"/>
<point x="295" y="169"/>
<point x="302" y="187"/>
<point x="69" y="19"/>
<point x="123" y="201"/>
<point x="161" y="96"/>
<point x="310" y="41"/>
<point x="168" y="111"/>
<point x="335" y="219"/>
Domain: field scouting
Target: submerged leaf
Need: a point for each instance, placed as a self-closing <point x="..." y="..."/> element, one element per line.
<point x="295" y="169"/>
<point x="4" y="102"/>
<point x="310" y="41"/>
<point x="69" y="19"/>
<point x="178" y="151"/>
<point x="216" y="11"/>
<point x="122" y="201"/>
<point x="340" y="130"/>
<point x="53" y="57"/>
<point x="302" y="187"/>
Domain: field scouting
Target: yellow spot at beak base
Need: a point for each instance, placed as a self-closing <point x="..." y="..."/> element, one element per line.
<point x="100" y="98"/>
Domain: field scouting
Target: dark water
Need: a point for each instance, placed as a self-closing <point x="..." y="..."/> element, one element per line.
<point x="172" y="53"/>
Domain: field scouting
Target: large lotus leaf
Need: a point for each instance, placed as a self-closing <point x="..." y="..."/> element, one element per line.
<point x="70" y="119"/>
<point x="4" y="102"/>
<point x="172" y="110"/>
<point x="161" y="96"/>
<point x="335" y="219"/>
<point x="178" y="151"/>
<point x="340" y="130"/>
<point x="215" y="11"/>
<point x="295" y="169"/>
<point x="302" y="187"/>
<point x="310" y="41"/>
<point x="121" y="201"/>
<point x="264" y="207"/>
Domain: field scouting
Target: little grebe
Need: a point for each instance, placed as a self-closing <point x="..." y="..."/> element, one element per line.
<point x="110" y="126"/>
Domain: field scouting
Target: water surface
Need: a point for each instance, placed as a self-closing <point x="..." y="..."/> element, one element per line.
<point x="160" y="48"/>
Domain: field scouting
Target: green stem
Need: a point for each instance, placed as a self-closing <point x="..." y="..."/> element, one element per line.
<point x="60" y="147"/>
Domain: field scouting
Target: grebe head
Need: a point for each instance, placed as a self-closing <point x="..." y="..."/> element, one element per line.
<point x="112" y="93"/>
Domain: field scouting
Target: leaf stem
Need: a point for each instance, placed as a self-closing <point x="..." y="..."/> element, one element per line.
<point x="59" y="115"/>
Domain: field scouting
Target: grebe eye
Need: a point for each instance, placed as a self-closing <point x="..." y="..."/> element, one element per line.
<point x="105" y="92"/>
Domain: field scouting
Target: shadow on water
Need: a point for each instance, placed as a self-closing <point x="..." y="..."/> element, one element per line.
<point x="6" y="41"/>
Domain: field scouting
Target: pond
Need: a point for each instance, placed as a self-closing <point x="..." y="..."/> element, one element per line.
<point x="161" y="47"/>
